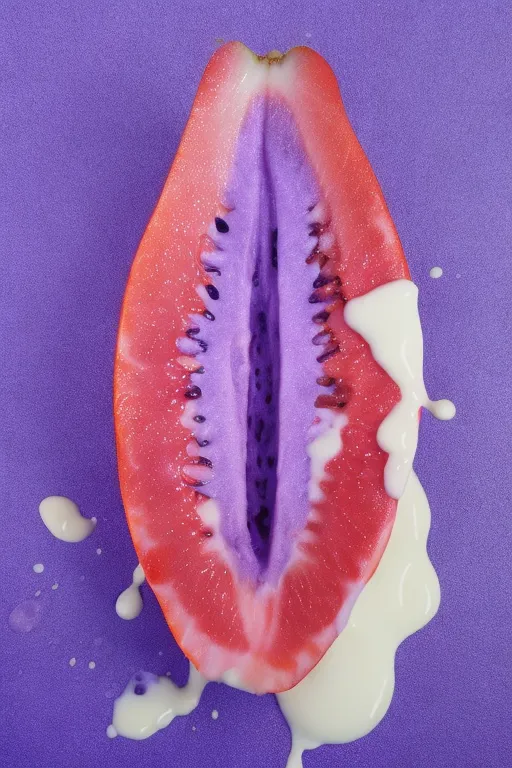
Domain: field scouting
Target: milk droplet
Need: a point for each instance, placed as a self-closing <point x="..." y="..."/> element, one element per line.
<point x="38" y="568"/>
<point x="72" y="662"/>
<point x="444" y="410"/>
<point x="111" y="732"/>
<point x="55" y="586"/>
<point x="129" y="603"/>
<point x="215" y="714"/>
<point x="92" y="665"/>
<point x="436" y="272"/>
<point x="63" y="519"/>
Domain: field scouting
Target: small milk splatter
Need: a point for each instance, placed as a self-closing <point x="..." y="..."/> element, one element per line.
<point x="111" y="732"/>
<point x="72" y="662"/>
<point x="25" y="616"/>
<point x="436" y="272"/>
<point x="92" y="665"/>
<point x="215" y="714"/>
<point x="55" y="586"/>
<point x="38" y="568"/>
<point x="98" y="551"/>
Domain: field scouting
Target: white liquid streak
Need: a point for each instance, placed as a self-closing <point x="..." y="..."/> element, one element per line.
<point x="348" y="693"/>
<point x="387" y="318"/>
<point x="138" y="717"/>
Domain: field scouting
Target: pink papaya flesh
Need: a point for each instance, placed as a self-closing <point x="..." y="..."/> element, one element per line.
<point x="235" y="374"/>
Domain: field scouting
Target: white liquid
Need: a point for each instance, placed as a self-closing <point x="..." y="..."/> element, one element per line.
<point x="140" y="716"/>
<point x="387" y="318"/>
<point x="349" y="691"/>
<point x="25" y="616"/>
<point x="324" y="447"/>
<point x="436" y="272"/>
<point x="72" y="662"/>
<point x="38" y="568"/>
<point x="347" y="694"/>
<point x="129" y="603"/>
<point x="63" y="519"/>
<point x="92" y="665"/>
<point x="215" y="715"/>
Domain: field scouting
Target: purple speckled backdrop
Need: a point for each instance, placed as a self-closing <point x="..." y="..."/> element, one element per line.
<point x="93" y="100"/>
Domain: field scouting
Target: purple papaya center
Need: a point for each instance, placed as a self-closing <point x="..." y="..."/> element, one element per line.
<point x="254" y="394"/>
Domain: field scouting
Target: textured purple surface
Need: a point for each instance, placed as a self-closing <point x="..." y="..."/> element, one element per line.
<point x="259" y="333"/>
<point x="94" y="97"/>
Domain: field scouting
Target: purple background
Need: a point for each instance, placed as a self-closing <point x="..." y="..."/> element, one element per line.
<point x="94" y="98"/>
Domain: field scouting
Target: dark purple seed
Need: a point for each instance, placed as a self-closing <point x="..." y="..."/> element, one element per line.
<point x="249" y="421"/>
<point x="258" y="385"/>
<point x="214" y="270"/>
<point x="260" y="426"/>
<point x="262" y="522"/>
<point x="262" y="322"/>
<point x="320" y="281"/>
<point x="193" y="393"/>
<point x="195" y="483"/>
<point x="255" y="279"/>
<point x="202" y="344"/>
<point x="268" y="399"/>
<point x="212" y="292"/>
<point x="314" y="298"/>
<point x="207" y="534"/>
<point x="199" y="370"/>
<point x="340" y="404"/>
<point x="202" y="443"/>
<point x="221" y="225"/>
<point x="257" y="371"/>
<point x="199" y="419"/>
<point x="315" y="228"/>
<point x="262" y="489"/>
<point x="203" y="461"/>
<point x="208" y="315"/>
<point x="191" y="332"/>
<point x="326" y="381"/>
<point x="328" y="354"/>
<point x="139" y="689"/>
<point x="274" y="248"/>
<point x="321" y="338"/>
<point x="321" y="317"/>
<point x="258" y="461"/>
<point x="271" y="461"/>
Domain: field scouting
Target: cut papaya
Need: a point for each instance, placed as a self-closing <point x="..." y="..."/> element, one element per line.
<point x="246" y="410"/>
